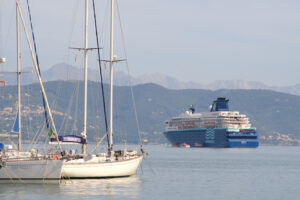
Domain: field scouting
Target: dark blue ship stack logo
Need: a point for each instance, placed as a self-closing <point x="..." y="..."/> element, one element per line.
<point x="210" y="136"/>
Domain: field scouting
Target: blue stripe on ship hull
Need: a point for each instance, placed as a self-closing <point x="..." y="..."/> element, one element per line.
<point x="214" y="137"/>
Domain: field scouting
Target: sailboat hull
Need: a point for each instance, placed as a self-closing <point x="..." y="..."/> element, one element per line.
<point x="95" y="168"/>
<point x="30" y="170"/>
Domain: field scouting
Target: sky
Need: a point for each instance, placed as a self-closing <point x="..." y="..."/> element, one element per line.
<point x="193" y="40"/>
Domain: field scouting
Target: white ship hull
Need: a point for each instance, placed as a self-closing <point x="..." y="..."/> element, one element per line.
<point x="30" y="170"/>
<point x="98" y="168"/>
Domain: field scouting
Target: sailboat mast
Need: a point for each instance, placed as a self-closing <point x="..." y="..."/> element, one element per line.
<point x="19" y="78"/>
<point x="83" y="134"/>
<point x="37" y="72"/>
<point x="110" y="146"/>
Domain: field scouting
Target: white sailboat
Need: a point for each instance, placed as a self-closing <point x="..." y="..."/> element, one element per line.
<point x="18" y="165"/>
<point x="102" y="165"/>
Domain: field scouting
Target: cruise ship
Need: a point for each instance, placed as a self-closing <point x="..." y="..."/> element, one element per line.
<point x="217" y="128"/>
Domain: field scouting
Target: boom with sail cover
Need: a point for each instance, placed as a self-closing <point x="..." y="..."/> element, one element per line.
<point x="69" y="139"/>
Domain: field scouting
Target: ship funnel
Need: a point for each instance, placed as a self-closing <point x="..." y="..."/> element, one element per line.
<point x="221" y="104"/>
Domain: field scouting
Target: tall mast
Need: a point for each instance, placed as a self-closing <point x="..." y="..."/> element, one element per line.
<point x="19" y="78"/>
<point x="110" y="144"/>
<point x="37" y="72"/>
<point x="83" y="134"/>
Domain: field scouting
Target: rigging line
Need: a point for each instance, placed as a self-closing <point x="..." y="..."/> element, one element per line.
<point x="76" y="83"/>
<point x="99" y="142"/>
<point x="130" y="81"/>
<point x="37" y="135"/>
<point x="25" y="121"/>
<point x="65" y="121"/>
<point x="70" y="36"/>
<point x="105" y="20"/>
<point x="29" y="126"/>
<point x="55" y="99"/>
<point x="33" y="37"/>
<point x="37" y="61"/>
<point x="29" y="122"/>
<point x="75" y="119"/>
<point x="100" y="69"/>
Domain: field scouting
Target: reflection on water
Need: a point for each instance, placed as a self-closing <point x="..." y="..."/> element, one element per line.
<point x="129" y="187"/>
<point x="20" y="191"/>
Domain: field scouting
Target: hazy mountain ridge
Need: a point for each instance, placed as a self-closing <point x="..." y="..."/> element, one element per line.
<point x="63" y="71"/>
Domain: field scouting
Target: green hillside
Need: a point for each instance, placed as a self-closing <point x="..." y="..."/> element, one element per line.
<point x="274" y="114"/>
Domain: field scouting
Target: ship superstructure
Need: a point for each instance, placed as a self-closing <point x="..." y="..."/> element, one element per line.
<point x="217" y="128"/>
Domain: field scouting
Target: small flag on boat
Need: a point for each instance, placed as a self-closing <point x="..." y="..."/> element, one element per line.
<point x="51" y="132"/>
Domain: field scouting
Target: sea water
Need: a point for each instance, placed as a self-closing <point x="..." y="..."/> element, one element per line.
<point x="267" y="172"/>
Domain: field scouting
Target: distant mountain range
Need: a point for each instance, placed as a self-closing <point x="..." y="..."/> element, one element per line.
<point x="66" y="72"/>
<point x="276" y="115"/>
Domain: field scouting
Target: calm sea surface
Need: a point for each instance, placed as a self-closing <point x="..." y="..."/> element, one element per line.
<point x="180" y="173"/>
